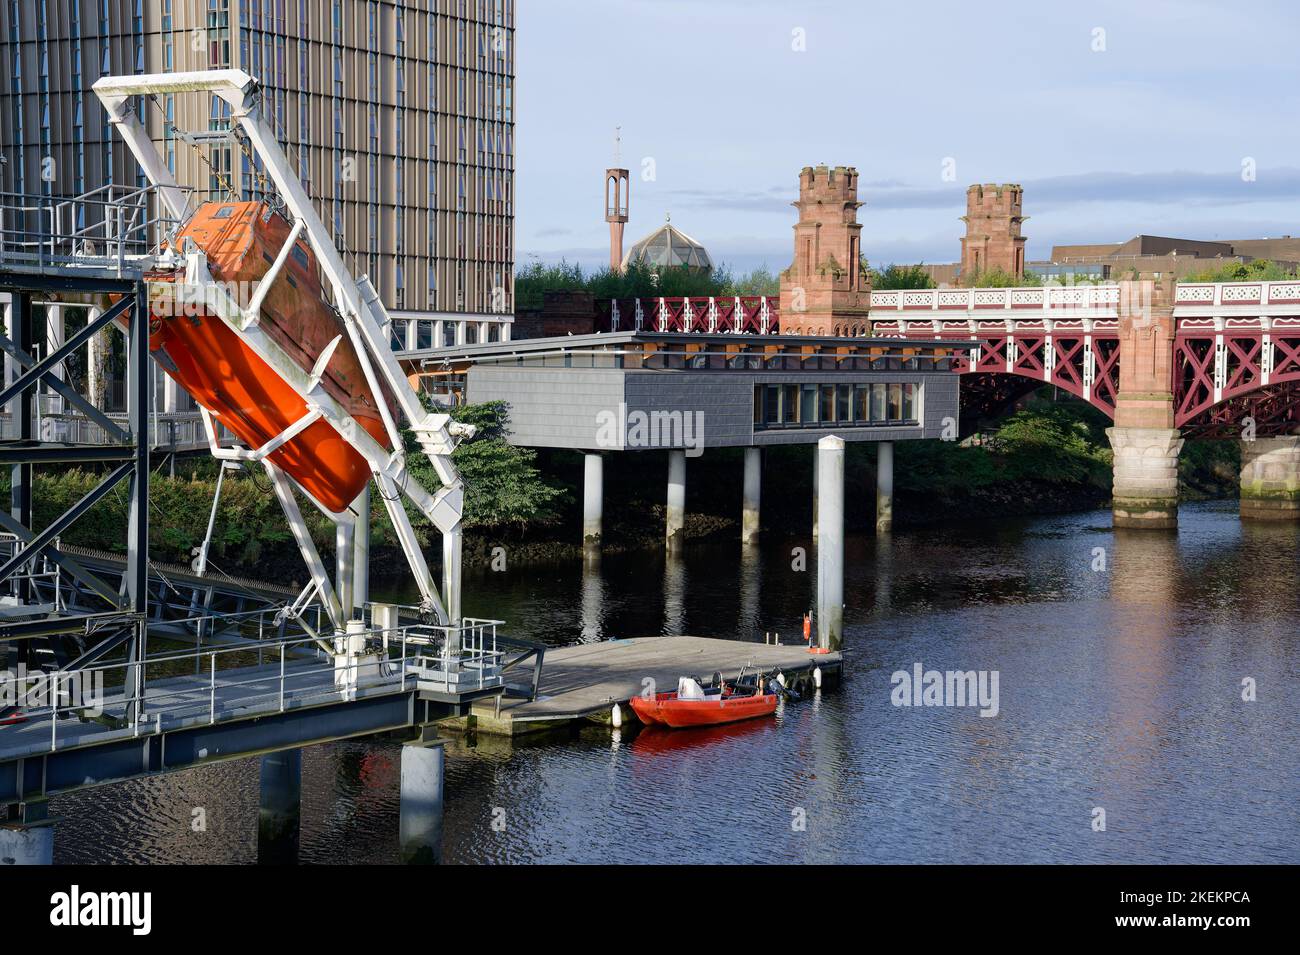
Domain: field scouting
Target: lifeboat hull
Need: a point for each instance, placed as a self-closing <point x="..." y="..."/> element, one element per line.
<point x="211" y="362"/>
<point x="666" y="710"/>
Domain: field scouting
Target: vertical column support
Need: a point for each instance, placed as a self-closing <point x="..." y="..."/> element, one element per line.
<point x="593" y="504"/>
<point x="20" y="409"/>
<point x="816" y="494"/>
<point x="420" y="813"/>
<point x="10" y="367"/>
<point x="361" y="550"/>
<point x="28" y="837"/>
<point x="345" y="527"/>
<point x="830" y="544"/>
<point x="135" y="583"/>
<point x="1270" y="479"/>
<point x="884" y="487"/>
<point x="751" y="505"/>
<point x="279" y="816"/>
<point x="99" y="351"/>
<point x="54" y="338"/>
<point x="139" y="390"/>
<point x="451" y="560"/>
<point x="1145" y="442"/>
<point x="675" y="530"/>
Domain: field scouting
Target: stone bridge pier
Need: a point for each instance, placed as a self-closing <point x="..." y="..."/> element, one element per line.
<point x="1270" y="478"/>
<point x="1145" y="442"/>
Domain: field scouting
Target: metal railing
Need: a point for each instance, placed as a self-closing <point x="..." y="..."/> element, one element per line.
<point x="224" y="682"/>
<point x="39" y="573"/>
<point x="174" y="431"/>
<point x="107" y="227"/>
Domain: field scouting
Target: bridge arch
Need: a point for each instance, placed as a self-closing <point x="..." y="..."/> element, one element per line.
<point x="1082" y="363"/>
<point x="1235" y="372"/>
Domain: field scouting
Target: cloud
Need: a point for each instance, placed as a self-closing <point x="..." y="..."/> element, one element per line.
<point x="1177" y="187"/>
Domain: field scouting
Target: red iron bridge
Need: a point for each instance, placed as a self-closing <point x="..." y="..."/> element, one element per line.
<point x="1226" y="351"/>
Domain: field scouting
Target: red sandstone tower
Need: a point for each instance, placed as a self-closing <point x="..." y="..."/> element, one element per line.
<point x="993" y="240"/>
<point x="616" y="194"/>
<point x="824" y="291"/>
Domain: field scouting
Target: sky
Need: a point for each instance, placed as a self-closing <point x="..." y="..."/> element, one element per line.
<point x="1169" y="118"/>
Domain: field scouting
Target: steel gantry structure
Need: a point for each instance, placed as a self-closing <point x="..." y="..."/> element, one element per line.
<point x="366" y="323"/>
<point x="108" y="617"/>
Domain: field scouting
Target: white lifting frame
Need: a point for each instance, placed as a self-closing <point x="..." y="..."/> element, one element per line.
<point x="364" y="320"/>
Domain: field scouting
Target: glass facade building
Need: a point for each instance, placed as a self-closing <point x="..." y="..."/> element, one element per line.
<point x="397" y="116"/>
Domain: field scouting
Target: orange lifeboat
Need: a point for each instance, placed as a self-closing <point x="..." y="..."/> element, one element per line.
<point x="212" y="363"/>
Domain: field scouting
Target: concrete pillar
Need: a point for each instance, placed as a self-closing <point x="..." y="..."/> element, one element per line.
<point x="26" y="844"/>
<point x="171" y="395"/>
<point x="815" y="494"/>
<point x="830" y="546"/>
<point x="461" y="328"/>
<point x="884" y="487"/>
<point x="675" y="531"/>
<point x="452" y="554"/>
<point x="420" y="814"/>
<point x="98" y="363"/>
<point x="1144" y="439"/>
<point x="361" y="549"/>
<point x="344" y="563"/>
<point x="505" y="331"/>
<point x="752" y="491"/>
<point x="28" y="837"/>
<point x="54" y="338"/>
<point x="280" y="813"/>
<point x="593" y="502"/>
<point x="1145" y="492"/>
<point x="1270" y="479"/>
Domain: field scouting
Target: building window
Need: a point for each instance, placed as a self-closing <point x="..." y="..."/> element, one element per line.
<point x="857" y="405"/>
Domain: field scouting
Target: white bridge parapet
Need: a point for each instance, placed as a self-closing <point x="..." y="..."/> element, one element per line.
<point x="1239" y="305"/>
<point x="957" y="312"/>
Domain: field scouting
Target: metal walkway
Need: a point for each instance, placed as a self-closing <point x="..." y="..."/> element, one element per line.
<point x="174" y="709"/>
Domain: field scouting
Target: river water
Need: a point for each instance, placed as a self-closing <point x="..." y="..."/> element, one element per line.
<point x="1119" y="689"/>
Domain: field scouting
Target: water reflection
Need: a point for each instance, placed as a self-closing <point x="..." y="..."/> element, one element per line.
<point x="1119" y="688"/>
<point x="593" y="602"/>
<point x="674" y="595"/>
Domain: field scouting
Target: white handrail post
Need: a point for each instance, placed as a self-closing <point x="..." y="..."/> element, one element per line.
<point x="54" y="714"/>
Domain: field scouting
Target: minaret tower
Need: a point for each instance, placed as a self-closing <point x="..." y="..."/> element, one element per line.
<point x="616" y="194"/>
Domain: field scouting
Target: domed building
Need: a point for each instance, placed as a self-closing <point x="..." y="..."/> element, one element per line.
<point x="669" y="246"/>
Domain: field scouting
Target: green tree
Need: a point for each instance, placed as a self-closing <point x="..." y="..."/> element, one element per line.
<point x="638" y="280"/>
<point x="999" y="278"/>
<point x="503" y="487"/>
<point x="901" y="277"/>
<point x="1259" y="270"/>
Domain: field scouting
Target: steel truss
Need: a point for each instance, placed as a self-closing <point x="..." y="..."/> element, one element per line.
<point x="118" y="614"/>
<point x="365" y="321"/>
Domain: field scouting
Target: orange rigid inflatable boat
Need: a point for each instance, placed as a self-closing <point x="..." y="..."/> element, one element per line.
<point x="667" y="710"/>
<point x="212" y="363"/>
